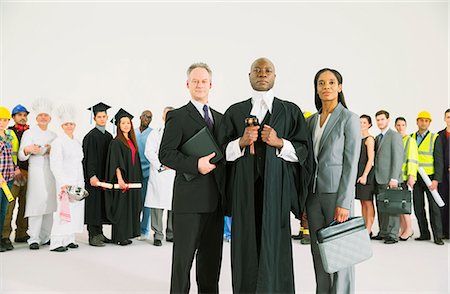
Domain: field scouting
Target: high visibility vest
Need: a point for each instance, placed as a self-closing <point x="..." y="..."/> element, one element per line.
<point x="411" y="161"/>
<point x="426" y="148"/>
<point x="15" y="145"/>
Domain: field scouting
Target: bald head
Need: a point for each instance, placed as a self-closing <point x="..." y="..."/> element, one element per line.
<point x="262" y="74"/>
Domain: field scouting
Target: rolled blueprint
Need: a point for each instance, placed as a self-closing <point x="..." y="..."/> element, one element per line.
<point x="434" y="193"/>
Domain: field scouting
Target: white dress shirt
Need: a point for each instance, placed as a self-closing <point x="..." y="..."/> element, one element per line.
<point x="262" y="102"/>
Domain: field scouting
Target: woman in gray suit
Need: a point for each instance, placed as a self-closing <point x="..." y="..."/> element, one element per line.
<point x="337" y="141"/>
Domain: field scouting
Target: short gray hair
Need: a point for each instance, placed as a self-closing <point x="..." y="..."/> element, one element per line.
<point x="197" y="65"/>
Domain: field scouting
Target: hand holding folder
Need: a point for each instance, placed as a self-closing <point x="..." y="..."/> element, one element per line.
<point x="200" y="145"/>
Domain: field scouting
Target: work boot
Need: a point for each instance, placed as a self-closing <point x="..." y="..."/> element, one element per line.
<point x="6" y="243"/>
<point x="96" y="241"/>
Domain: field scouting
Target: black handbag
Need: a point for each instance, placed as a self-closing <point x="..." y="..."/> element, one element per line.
<point x="394" y="201"/>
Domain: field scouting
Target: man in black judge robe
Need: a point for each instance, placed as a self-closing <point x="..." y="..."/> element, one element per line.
<point x="263" y="187"/>
<point x="95" y="150"/>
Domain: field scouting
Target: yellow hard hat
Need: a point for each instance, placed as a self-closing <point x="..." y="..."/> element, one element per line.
<point x="4" y="112"/>
<point x="424" y="114"/>
<point x="307" y="114"/>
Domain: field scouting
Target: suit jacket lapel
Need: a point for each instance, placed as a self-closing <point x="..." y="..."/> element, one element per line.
<point x="382" y="140"/>
<point x="330" y="124"/>
<point x="195" y="115"/>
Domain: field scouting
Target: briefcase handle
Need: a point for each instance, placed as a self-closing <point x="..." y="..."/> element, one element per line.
<point x="334" y="222"/>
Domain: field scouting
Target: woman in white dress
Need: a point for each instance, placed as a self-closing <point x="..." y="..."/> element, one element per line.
<point x="66" y="165"/>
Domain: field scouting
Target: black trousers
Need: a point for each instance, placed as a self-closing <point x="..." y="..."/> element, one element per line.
<point x="94" y="230"/>
<point x="419" y="209"/>
<point x="199" y="235"/>
<point x="445" y="211"/>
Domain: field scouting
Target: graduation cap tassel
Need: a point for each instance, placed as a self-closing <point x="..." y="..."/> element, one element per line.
<point x="92" y="114"/>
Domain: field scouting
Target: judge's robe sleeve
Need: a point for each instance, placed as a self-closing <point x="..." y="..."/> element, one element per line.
<point x="169" y="155"/>
<point x="113" y="197"/>
<point x="300" y="137"/>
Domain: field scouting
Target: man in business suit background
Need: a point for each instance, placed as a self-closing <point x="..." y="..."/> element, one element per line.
<point x="389" y="156"/>
<point x="197" y="209"/>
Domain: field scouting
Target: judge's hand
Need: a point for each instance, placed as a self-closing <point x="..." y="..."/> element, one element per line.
<point x="434" y="185"/>
<point x="31" y="149"/>
<point x="269" y="136"/>
<point x="249" y="136"/>
<point x="204" y="166"/>
<point x="340" y="214"/>
<point x="94" y="181"/>
<point x="410" y="182"/>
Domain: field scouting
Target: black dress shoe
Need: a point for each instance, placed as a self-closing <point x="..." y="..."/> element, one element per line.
<point x="424" y="238"/>
<point x="73" y="246"/>
<point x="297" y="237"/>
<point x="438" y="241"/>
<point x="169" y="239"/>
<point x="47" y="243"/>
<point x="124" y="242"/>
<point x="377" y="237"/>
<point x="405" y="239"/>
<point x="60" y="249"/>
<point x="157" y="242"/>
<point x="390" y="240"/>
<point x="34" y="246"/>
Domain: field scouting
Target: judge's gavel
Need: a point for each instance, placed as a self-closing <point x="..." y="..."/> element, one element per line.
<point x="252" y="122"/>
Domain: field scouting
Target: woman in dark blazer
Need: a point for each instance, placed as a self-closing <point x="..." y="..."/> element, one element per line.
<point x="336" y="141"/>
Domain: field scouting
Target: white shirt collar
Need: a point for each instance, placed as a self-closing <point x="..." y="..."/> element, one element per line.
<point x="262" y="102"/>
<point x="385" y="131"/>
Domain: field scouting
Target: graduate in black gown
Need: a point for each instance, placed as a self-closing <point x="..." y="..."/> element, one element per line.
<point x="95" y="149"/>
<point x="123" y="206"/>
<point x="263" y="187"/>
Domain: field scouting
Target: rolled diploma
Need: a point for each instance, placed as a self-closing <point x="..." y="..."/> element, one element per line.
<point x="434" y="193"/>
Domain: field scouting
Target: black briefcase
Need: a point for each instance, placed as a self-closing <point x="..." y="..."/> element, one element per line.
<point x="394" y="201"/>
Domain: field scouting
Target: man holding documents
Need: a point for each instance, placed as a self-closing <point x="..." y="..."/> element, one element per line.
<point x="425" y="142"/>
<point x="269" y="167"/>
<point x="198" y="187"/>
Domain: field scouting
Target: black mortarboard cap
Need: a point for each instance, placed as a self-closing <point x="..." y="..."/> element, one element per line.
<point x="121" y="113"/>
<point x="99" y="107"/>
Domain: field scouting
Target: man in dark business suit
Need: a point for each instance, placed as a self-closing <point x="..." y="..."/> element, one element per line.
<point x="197" y="209"/>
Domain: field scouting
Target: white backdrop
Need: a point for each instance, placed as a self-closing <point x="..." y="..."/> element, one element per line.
<point x="134" y="55"/>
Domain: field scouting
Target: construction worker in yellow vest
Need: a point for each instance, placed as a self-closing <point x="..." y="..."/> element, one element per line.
<point x="409" y="171"/>
<point x="425" y="142"/>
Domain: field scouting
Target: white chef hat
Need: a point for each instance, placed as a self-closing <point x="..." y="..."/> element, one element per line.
<point x="66" y="113"/>
<point x="42" y="105"/>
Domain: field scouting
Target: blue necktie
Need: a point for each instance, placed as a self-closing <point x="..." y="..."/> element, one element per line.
<point x="208" y="120"/>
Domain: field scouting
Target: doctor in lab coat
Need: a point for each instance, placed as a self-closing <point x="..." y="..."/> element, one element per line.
<point x="160" y="186"/>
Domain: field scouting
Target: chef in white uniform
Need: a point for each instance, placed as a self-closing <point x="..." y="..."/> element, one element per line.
<point x="160" y="186"/>
<point x="41" y="202"/>
<point x="66" y="165"/>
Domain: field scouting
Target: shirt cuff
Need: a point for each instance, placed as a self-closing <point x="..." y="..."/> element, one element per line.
<point x="233" y="150"/>
<point x="287" y="152"/>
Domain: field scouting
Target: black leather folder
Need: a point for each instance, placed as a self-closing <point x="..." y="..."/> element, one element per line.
<point x="199" y="145"/>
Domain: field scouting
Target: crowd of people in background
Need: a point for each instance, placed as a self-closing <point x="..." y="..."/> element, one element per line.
<point x="313" y="165"/>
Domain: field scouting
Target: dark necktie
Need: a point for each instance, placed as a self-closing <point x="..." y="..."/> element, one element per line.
<point x="208" y="120"/>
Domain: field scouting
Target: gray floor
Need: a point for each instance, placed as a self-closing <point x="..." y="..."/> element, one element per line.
<point x="406" y="267"/>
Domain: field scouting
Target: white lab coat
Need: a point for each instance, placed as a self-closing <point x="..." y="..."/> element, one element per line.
<point x="41" y="183"/>
<point x="160" y="184"/>
<point x="66" y="165"/>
